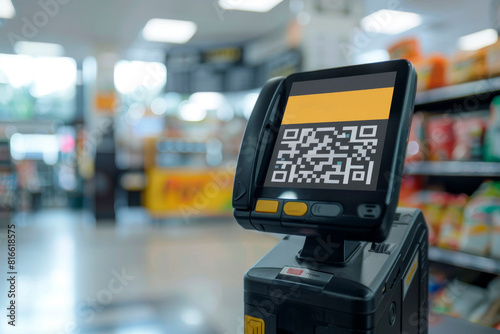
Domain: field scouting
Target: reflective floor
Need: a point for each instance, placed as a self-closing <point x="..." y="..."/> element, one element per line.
<point x="136" y="276"/>
<point x="74" y="276"/>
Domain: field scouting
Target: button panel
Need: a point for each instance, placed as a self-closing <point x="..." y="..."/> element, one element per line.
<point x="267" y="206"/>
<point x="326" y="210"/>
<point x="295" y="208"/>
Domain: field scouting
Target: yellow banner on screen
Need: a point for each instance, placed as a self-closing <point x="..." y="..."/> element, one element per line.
<point x="357" y="105"/>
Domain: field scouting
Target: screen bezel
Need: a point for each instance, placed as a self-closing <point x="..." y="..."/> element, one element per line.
<point x="402" y="70"/>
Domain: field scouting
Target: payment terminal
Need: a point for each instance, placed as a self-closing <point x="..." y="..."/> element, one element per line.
<point x="321" y="161"/>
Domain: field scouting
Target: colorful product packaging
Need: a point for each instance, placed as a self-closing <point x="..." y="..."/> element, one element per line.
<point x="493" y="59"/>
<point x="451" y="223"/>
<point x="408" y="48"/>
<point x="431" y="72"/>
<point x="468" y="135"/>
<point x="467" y="66"/>
<point x="432" y="204"/>
<point x="440" y="138"/>
<point x="479" y="213"/>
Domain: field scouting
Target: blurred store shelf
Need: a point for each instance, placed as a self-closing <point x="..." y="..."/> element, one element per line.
<point x="454" y="168"/>
<point x="464" y="260"/>
<point x="468" y="89"/>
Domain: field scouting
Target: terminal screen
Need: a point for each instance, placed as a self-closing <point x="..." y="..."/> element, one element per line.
<point x="332" y="133"/>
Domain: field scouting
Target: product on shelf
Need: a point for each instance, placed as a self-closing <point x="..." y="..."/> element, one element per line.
<point x="465" y="300"/>
<point x="493" y="59"/>
<point x="467" y="66"/>
<point x="440" y="138"/>
<point x="468" y="135"/>
<point x="431" y="72"/>
<point x="451" y="222"/>
<point x="492" y="137"/>
<point x="477" y="231"/>
<point x="456" y="221"/>
<point x="459" y="137"/>
<point x="408" y="48"/>
<point x="432" y="204"/>
<point x="410" y="185"/>
<point x="459" y="299"/>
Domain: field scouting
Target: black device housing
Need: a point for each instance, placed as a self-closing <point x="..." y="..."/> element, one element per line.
<point x="355" y="221"/>
<point x="382" y="289"/>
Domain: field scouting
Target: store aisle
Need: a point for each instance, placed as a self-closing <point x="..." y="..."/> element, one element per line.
<point x="74" y="276"/>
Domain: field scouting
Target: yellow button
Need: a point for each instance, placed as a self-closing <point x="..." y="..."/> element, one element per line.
<point x="295" y="208"/>
<point x="267" y="206"/>
<point x="254" y="325"/>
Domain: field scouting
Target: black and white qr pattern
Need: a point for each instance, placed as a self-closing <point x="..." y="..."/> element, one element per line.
<point x="333" y="156"/>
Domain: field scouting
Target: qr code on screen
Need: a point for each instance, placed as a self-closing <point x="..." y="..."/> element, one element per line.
<point x="326" y="155"/>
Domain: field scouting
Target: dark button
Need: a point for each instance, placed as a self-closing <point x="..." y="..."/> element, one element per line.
<point x="372" y="211"/>
<point x="326" y="210"/>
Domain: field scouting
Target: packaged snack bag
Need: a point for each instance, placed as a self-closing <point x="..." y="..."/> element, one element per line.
<point x="408" y="48"/>
<point x="451" y="223"/>
<point x="410" y="185"/>
<point x="467" y="66"/>
<point x="440" y="138"/>
<point x="468" y="134"/>
<point x="432" y="204"/>
<point x="431" y="72"/>
<point x="483" y="205"/>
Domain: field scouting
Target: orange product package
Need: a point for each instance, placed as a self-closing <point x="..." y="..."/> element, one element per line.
<point x="408" y="48"/>
<point x="431" y="72"/>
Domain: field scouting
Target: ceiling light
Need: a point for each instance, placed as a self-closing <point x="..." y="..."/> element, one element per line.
<point x="390" y="22"/>
<point x="39" y="49"/>
<point x="192" y="112"/>
<point x="478" y="40"/>
<point x="260" y="6"/>
<point x="7" y="10"/>
<point x="169" y="31"/>
<point x="210" y="100"/>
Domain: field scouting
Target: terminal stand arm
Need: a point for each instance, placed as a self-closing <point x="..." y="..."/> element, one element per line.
<point x="328" y="249"/>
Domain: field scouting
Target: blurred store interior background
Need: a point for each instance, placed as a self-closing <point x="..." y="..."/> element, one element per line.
<point x="120" y="125"/>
